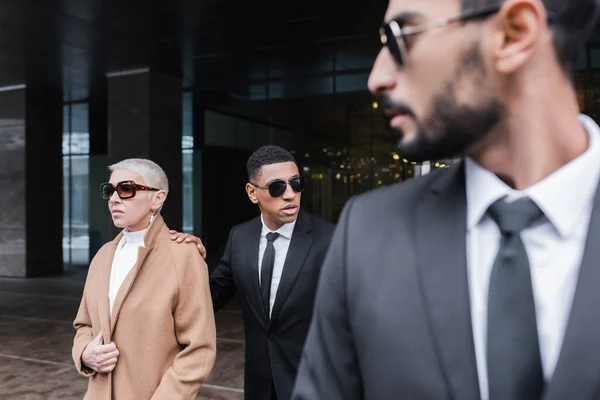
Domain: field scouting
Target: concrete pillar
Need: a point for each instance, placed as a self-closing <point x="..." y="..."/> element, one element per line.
<point x="31" y="177"/>
<point x="144" y="120"/>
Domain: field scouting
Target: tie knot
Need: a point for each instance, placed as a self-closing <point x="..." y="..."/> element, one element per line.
<point x="515" y="216"/>
<point x="271" y="236"/>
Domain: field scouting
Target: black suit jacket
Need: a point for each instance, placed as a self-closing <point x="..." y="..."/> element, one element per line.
<point x="273" y="347"/>
<point x="392" y="316"/>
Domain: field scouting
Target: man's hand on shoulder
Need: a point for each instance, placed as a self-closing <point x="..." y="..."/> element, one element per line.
<point x="179" y="237"/>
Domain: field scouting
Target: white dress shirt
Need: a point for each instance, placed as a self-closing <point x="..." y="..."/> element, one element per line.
<point x="281" y="245"/>
<point x="554" y="246"/>
<point x="125" y="258"/>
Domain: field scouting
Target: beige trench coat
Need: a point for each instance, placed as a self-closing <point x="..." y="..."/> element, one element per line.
<point x="162" y="322"/>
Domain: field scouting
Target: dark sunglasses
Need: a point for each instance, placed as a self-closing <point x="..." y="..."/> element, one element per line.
<point x="393" y="36"/>
<point x="277" y="188"/>
<point x="125" y="189"/>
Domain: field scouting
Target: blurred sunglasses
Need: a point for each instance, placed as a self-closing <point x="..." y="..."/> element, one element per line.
<point x="393" y="35"/>
<point x="125" y="189"/>
<point x="277" y="188"/>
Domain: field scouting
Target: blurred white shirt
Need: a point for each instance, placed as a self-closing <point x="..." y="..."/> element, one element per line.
<point x="554" y="246"/>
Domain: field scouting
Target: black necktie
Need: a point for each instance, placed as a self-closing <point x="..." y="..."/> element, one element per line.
<point x="266" y="271"/>
<point x="513" y="352"/>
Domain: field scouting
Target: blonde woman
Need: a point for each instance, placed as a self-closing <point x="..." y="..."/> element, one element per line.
<point x="145" y="327"/>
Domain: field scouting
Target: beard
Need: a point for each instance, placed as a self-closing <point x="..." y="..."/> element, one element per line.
<point x="451" y="128"/>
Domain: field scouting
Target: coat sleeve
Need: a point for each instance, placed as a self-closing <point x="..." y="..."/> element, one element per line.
<point x="222" y="286"/>
<point x="329" y="366"/>
<point x="194" y="328"/>
<point x="83" y="333"/>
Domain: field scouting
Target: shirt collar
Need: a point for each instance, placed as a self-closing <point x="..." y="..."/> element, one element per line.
<point x="562" y="196"/>
<point x="286" y="230"/>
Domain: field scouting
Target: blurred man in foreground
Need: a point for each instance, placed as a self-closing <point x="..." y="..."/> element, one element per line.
<point x="482" y="279"/>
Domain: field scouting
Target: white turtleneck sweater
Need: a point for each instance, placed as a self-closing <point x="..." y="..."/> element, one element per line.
<point x="124" y="260"/>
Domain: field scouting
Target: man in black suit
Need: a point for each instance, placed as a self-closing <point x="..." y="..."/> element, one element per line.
<point x="272" y="263"/>
<point x="479" y="281"/>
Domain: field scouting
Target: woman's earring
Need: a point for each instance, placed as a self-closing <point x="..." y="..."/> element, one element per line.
<point x="152" y="216"/>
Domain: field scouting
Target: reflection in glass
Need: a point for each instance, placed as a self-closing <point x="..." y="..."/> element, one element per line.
<point x="359" y="157"/>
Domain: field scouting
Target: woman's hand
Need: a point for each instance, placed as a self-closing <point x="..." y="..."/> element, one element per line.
<point x="100" y="357"/>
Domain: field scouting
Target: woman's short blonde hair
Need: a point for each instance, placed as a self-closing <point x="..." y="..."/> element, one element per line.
<point x="152" y="174"/>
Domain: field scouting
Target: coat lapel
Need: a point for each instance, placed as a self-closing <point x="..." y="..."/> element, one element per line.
<point x="442" y="264"/>
<point x="577" y="373"/>
<point x="151" y="237"/>
<point x="103" y="289"/>
<point x="126" y="286"/>
<point x="294" y="261"/>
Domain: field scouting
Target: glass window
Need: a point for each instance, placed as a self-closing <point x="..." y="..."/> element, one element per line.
<point x="582" y="60"/>
<point x="351" y="83"/>
<point x="187" y="146"/>
<point x="76" y="148"/>
<point x="595" y="57"/>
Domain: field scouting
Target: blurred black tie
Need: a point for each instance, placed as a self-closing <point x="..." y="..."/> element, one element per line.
<point x="513" y="351"/>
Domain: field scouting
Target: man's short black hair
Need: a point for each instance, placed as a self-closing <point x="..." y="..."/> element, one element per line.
<point x="571" y="23"/>
<point x="267" y="155"/>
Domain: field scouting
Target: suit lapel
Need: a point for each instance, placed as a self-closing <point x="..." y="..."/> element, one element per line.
<point x="442" y="264"/>
<point x="294" y="261"/>
<point x="251" y="249"/>
<point x="577" y="372"/>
